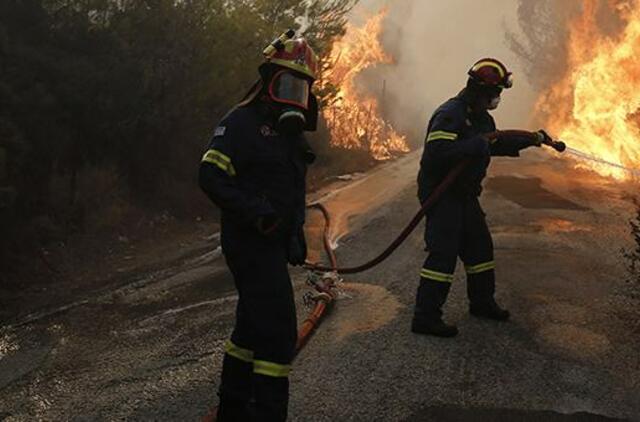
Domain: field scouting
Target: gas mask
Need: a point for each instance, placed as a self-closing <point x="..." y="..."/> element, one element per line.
<point x="483" y="97"/>
<point x="293" y="95"/>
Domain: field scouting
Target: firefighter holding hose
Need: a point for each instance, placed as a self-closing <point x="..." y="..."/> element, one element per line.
<point x="254" y="169"/>
<point x="462" y="128"/>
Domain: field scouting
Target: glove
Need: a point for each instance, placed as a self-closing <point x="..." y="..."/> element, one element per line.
<point x="541" y="137"/>
<point x="297" y="251"/>
<point x="267" y="224"/>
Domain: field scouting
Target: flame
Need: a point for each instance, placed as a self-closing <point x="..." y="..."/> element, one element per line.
<point x="596" y="106"/>
<point x="355" y="118"/>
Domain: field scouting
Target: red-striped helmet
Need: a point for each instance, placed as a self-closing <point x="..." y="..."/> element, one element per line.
<point x="492" y="73"/>
<point x="293" y="53"/>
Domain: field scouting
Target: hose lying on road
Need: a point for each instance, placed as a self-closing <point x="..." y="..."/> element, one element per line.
<point x="326" y="294"/>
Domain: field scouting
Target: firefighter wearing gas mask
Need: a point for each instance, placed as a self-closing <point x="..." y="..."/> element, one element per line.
<point x="254" y="170"/>
<point x="456" y="225"/>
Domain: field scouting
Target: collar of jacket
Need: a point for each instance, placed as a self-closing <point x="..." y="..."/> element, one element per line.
<point x="266" y="112"/>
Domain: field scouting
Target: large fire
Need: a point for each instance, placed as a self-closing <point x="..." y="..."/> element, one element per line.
<point x="596" y="106"/>
<point x="355" y="119"/>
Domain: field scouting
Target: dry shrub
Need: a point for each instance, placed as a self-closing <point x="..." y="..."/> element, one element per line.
<point x="633" y="255"/>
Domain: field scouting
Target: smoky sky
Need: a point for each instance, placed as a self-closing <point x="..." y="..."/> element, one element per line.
<point x="434" y="44"/>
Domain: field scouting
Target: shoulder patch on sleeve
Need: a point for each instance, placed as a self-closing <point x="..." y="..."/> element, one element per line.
<point x="220" y="131"/>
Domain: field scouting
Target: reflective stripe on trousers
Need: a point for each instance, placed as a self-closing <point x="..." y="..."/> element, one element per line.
<point x="480" y="268"/>
<point x="262" y="367"/>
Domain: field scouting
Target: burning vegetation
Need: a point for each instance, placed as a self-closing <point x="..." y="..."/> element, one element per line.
<point x="355" y="117"/>
<point x="595" y="106"/>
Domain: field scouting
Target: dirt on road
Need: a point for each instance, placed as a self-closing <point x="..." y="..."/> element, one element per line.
<point x="150" y="347"/>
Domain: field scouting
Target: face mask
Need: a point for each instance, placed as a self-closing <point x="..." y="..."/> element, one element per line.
<point x="289" y="89"/>
<point x="291" y="93"/>
<point x="494" y="103"/>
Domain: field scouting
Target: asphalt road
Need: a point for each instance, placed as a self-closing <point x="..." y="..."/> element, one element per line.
<point x="150" y="346"/>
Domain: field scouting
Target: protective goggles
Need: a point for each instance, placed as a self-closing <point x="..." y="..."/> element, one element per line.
<point x="286" y="88"/>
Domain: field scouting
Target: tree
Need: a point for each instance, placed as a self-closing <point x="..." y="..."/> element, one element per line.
<point x="129" y="88"/>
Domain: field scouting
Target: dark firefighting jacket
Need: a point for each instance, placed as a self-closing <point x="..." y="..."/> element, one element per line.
<point x="250" y="171"/>
<point x="455" y="132"/>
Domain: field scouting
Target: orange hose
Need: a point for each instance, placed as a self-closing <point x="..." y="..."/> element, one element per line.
<point x="310" y="324"/>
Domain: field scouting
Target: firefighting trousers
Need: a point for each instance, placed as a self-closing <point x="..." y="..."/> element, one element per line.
<point x="455" y="227"/>
<point x="257" y="362"/>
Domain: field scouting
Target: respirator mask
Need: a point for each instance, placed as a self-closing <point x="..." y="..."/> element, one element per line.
<point x="490" y="97"/>
<point x="292" y="95"/>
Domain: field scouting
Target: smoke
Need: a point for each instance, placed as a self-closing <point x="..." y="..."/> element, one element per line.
<point x="434" y="44"/>
<point x="541" y="45"/>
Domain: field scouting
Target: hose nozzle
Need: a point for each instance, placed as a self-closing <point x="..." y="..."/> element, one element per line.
<point x="549" y="141"/>
<point x="557" y="145"/>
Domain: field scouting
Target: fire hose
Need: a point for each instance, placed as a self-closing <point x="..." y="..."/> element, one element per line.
<point x="325" y="284"/>
<point x="326" y="294"/>
<point x="325" y="287"/>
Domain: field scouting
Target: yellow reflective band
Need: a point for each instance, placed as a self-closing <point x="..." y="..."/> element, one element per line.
<point x="436" y="276"/>
<point x="480" y="268"/>
<point x="238" y="352"/>
<point x="222" y="166"/>
<point x="492" y="64"/>
<point x="271" y="369"/>
<point x="219" y="160"/>
<point x="441" y="134"/>
<point x="290" y="64"/>
<point x="214" y="153"/>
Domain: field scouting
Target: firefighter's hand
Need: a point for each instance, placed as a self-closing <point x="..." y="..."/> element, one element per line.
<point x="541" y="137"/>
<point x="267" y="224"/>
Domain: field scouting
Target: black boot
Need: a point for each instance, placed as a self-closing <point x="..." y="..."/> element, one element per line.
<point x="435" y="328"/>
<point x="489" y="310"/>
<point x="427" y="317"/>
<point x="481" y="290"/>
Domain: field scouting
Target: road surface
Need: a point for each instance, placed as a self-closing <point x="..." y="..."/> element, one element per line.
<point x="147" y="345"/>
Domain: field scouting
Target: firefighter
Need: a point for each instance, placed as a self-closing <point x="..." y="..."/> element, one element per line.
<point x="456" y="225"/>
<point x="254" y="170"/>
